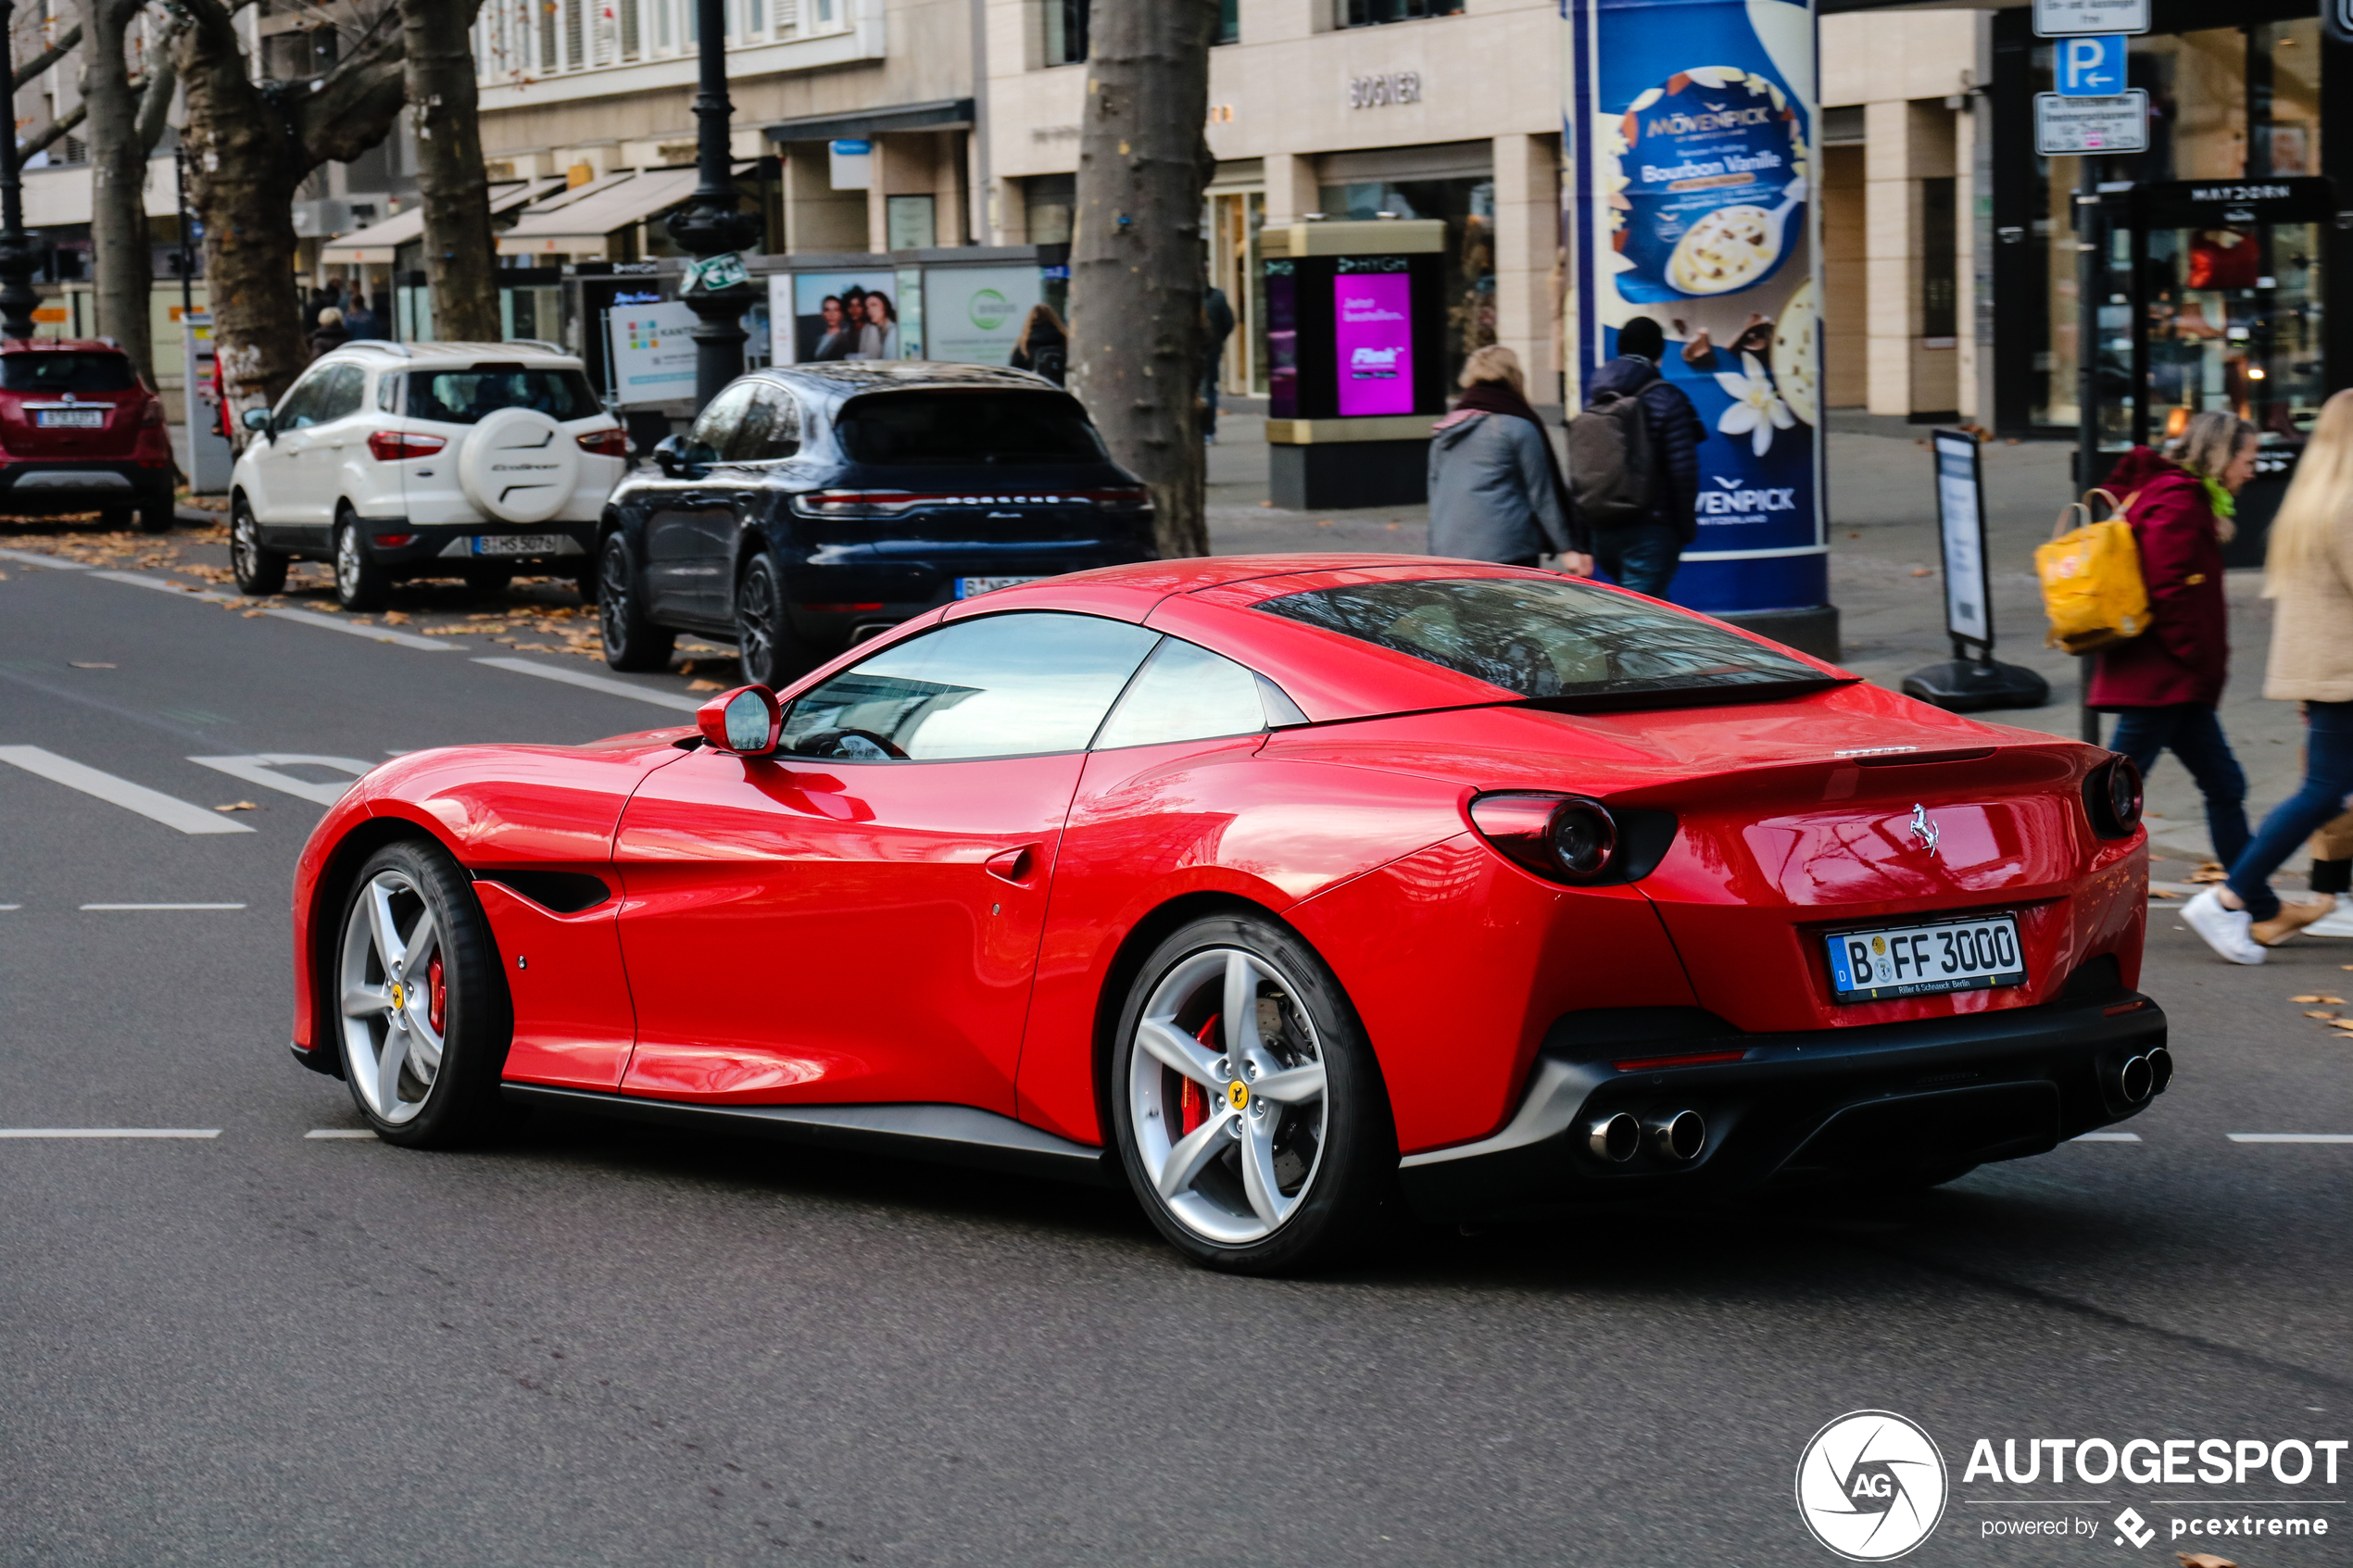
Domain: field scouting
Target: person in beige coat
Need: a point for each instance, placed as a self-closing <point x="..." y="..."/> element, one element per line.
<point x="2308" y="576"/>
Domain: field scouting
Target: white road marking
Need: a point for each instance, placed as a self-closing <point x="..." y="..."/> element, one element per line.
<point x="6" y="907"/>
<point x="172" y="812"/>
<point x="2106" y="1137"/>
<point x="594" y="682"/>
<point x="33" y="557"/>
<point x="2290" y="1138"/>
<point x="121" y="907"/>
<point x="263" y="769"/>
<point x="140" y="579"/>
<point x="109" y="1131"/>
<point x="379" y="633"/>
<point x="339" y="1133"/>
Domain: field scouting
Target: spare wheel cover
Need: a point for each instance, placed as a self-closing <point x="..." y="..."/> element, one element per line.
<point x="518" y="466"/>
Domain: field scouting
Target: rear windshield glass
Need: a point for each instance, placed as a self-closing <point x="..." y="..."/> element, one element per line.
<point x="905" y="428"/>
<point x="1551" y="638"/>
<point x="465" y="397"/>
<point x="65" y="371"/>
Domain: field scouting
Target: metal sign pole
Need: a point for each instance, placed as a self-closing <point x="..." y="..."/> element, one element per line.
<point x="1971" y="680"/>
<point x="2089" y="236"/>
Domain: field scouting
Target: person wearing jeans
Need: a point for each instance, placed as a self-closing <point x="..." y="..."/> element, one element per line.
<point x="2308" y="576"/>
<point x="1643" y="556"/>
<point x="2165" y="684"/>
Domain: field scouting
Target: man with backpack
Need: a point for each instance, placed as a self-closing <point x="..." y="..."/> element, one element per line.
<point x="1633" y="464"/>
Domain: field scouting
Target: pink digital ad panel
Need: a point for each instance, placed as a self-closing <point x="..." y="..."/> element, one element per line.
<point x="1374" y="342"/>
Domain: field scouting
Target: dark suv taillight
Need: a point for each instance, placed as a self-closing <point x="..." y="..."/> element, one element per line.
<point x="613" y="443"/>
<point x="151" y="416"/>
<point x="396" y="446"/>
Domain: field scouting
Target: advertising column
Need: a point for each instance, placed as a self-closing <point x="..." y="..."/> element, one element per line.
<point x="1690" y="125"/>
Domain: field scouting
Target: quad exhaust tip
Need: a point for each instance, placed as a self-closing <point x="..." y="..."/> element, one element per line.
<point x="2135" y="1080"/>
<point x="2161" y="1062"/>
<point x="1616" y="1139"/>
<point x="1679" y="1136"/>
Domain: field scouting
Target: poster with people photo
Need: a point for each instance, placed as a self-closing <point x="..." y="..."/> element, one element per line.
<point x="837" y="315"/>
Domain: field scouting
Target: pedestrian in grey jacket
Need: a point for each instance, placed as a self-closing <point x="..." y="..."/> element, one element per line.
<point x="1495" y="487"/>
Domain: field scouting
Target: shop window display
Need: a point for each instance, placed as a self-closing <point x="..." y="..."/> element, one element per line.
<point x="1468" y="206"/>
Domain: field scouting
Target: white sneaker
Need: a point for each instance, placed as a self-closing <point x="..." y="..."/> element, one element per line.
<point x="2337" y="924"/>
<point x="2225" y="930"/>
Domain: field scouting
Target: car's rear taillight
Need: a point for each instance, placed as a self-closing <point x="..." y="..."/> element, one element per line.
<point x="858" y="503"/>
<point x="612" y="443"/>
<point x="1560" y="837"/>
<point x="393" y="445"/>
<point x="2112" y="798"/>
<point x="1125" y="498"/>
<point x="151" y="416"/>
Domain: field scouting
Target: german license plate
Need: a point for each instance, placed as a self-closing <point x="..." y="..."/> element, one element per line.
<point x="973" y="587"/>
<point x="1921" y="960"/>
<point x="518" y="544"/>
<point x="70" y="419"/>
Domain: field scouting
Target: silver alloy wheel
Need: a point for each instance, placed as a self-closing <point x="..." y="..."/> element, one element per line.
<point x="245" y="542"/>
<point x="1226" y="1091"/>
<point x="348" y="565"/>
<point x="392" y="986"/>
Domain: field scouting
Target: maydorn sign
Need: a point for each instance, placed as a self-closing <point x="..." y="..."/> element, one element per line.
<point x="1378" y="92"/>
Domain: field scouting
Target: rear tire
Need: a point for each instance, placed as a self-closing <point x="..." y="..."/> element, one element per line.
<point x="423" y="1009"/>
<point x="631" y="642"/>
<point x="1315" y="1161"/>
<point x="156" y="517"/>
<point x="770" y="652"/>
<point x="361" y="582"/>
<point x="259" y="568"/>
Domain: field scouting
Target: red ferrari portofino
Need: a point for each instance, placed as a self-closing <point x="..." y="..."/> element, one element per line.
<point x="1275" y="885"/>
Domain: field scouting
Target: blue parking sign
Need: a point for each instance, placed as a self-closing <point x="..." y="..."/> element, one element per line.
<point x="2089" y="67"/>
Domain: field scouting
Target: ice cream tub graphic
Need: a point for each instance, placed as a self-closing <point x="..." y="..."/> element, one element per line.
<point x="1711" y="185"/>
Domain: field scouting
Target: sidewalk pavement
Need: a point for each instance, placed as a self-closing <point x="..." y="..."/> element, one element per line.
<point x="1886" y="580"/>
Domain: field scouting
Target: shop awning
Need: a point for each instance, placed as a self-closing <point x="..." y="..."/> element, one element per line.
<point x="943" y="115"/>
<point x="379" y="242"/>
<point x="581" y="222"/>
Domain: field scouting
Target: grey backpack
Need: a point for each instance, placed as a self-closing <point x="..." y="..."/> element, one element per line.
<point x="1609" y="462"/>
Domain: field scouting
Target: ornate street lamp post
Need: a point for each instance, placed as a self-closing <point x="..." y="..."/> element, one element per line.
<point x="19" y="256"/>
<point x="709" y="225"/>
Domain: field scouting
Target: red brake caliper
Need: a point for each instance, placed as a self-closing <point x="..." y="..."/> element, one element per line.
<point x="1193" y="1108"/>
<point x="436" y="991"/>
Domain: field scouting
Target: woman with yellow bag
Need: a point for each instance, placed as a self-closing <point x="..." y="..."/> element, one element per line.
<point x="2164" y="684"/>
<point x="2310" y="577"/>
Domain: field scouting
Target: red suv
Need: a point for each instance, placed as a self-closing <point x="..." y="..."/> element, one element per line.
<point x="81" y="433"/>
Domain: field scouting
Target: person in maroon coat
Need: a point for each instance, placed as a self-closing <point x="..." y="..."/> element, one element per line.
<point x="2165" y="684"/>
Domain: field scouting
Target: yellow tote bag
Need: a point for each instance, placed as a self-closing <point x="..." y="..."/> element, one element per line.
<point x="2091" y="577"/>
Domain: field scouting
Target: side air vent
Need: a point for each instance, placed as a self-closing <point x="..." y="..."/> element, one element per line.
<point x="567" y="893"/>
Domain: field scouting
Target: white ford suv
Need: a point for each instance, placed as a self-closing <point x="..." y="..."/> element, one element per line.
<point x="427" y="459"/>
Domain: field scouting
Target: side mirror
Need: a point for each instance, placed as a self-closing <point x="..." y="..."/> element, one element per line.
<point x="744" y="722"/>
<point x="666" y="454"/>
<point x="258" y="420"/>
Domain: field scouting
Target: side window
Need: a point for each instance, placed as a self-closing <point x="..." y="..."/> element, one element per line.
<point x="301" y="405"/>
<point x="1001" y="685"/>
<point x="770" y="429"/>
<point x="389" y="392"/>
<point x="339" y="393"/>
<point x="1185" y="693"/>
<point x="716" y="429"/>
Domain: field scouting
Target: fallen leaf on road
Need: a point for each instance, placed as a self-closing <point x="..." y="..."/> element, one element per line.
<point x="447" y="631"/>
<point x="396" y="618"/>
<point x="78" y="664"/>
<point x="2310" y="999"/>
<point x="2160" y="893"/>
<point x="251" y="613"/>
<point x="238" y="806"/>
<point x="1922" y="571"/>
<point x="704" y="686"/>
<point x="2310" y="1013"/>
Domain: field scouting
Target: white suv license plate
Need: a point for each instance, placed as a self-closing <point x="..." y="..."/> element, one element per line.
<point x="70" y="419"/>
<point x="973" y="587"/>
<point x="518" y="544"/>
<point x="1922" y="961"/>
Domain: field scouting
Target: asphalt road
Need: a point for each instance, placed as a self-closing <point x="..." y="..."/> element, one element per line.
<point x="600" y="1345"/>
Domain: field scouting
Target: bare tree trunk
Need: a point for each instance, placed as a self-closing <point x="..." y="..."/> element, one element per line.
<point x="461" y="252"/>
<point x="249" y="145"/>
<point x="1136" y="333"/>
<point x="121" y="260"/>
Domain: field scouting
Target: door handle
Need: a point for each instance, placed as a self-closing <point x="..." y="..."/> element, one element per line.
<point x="1018" y="866"/>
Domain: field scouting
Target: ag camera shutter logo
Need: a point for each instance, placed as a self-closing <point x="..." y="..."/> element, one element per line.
<point x="1871" y="1486"/>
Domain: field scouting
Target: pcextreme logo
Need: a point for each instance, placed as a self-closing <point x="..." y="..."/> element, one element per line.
<point x="1871" y="1486"/>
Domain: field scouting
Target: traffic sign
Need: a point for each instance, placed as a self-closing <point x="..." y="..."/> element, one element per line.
<point x="2068" y="18"/>
<point x="2089" y="67"/>
<point x="715" y="273"/>
<point x="2119" y="124"/>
